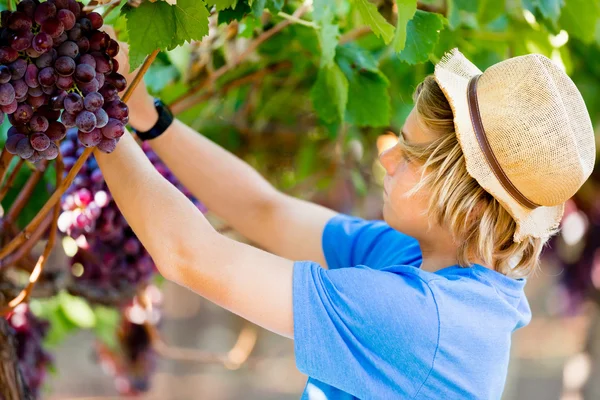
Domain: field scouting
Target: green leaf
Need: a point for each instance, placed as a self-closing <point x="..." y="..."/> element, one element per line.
<point x="258" y="7"/>
<point x="359" y="182"/>
<point x="275" y="5"/>
<point x="150" y="26"/>
<point x="328" y="36"/>
<point x="352" y="55"/>
<point x="220" y="4"/>
<point x="191" y="20"/>
<point x="461" y="11"/>
<point x="371" y="17"/>
<point x="368" y="99"/>
<point x="248" y="25"/>
<point x="580" y="18"/>
<point x="490" y="10"/>
<point x="406" y="10"/>
<point x="107" y="322"/>
<point x="329" y="94"/>
<point x="423" y="32"/>
<point x="550" y="8"/>
<point x="230" y="14"/>
<point x="77" y="310"/>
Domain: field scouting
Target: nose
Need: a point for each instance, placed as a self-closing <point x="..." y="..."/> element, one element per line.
<point x="389" y="160"/>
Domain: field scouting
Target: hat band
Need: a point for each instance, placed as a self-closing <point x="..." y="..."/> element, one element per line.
<point x="484" y="144"/>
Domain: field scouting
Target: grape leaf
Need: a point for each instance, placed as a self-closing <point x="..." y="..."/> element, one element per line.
<point x="351" y="56"/>
<point x="328" y="36"/>
<point x="258" y="7"/>
<point x="489" y="10"/>
<point x="550" y="8"/>
<point x="423" y="32"/>
<point x="461" y="11"/>
<point x="275" y="5"/>
<point x="77" y="310"/>
<point x="371" y="17"/>
<point x="368" y="99"/>
<point x="230" y="14"/>
<point x="580" y="18"/>
<point x="191" y="20"/>
<point x="220" y="4"/>
<point x="329" y="94"/>
<point x="406" y="10"/>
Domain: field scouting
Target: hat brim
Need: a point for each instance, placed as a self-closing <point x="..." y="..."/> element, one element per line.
<point x="453" y="74"/>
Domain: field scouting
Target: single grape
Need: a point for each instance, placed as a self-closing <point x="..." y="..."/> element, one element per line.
<point x="20" y="87"/>
<point x="93" y="101"/>
<point x="19" y="21"/>
<point x="36" y="91"/>
<point x="86" y="24"/>
<point x="85" y="121"/>
<point x="21" y="40"/>
<point x="65" y="66"/>
<point x="44" y="11"/>
<point x="103" y="65"/>
<point x="48" y="89"/>
<point x="35" y="157"/>
<point x="53" y="27"/>
<point x="42" y="42"/>
<point x="74" y="7"/>
<point x="113" y="48"/>
<point x="5" y="16"/>
<point x="60" y="39"/>
<point x="24" y="149"/>
<point x="38" y="123"/>
<point x="65" y="82"/>
<point x="27" y="7"/>
<point x="90" y="87"/>
<point x="101" y="118"/>
<point x="8" y="55"/>
<point x="5" y="74"/>
<point x="84" y="73"/>
<point x="11" y="142"/>
<point x="39" y="141"/>
<point x="17" y="69"/>
<point x="47" y="76"/>
<point x="83" y="44"/>
<point x="100" y="78"/>
<point x="23" y="113"/>
<point x="31" y="76"/>
<point x="96" y="20"/>
<point x="73" y="103"/>
<point x="115" y="65"/>
<point x="99" y="41"/>
<point x="68" y="119"/>
<point x="109" y="92"/>
<point x="88" y="59"/>
<point x="56" y="131"/>
<point x="107" y="145"/>
<point x="51" y="152"/>
<point x="83" y="196"/>
<point x="67" y="18"/>
<point x="7" y="94"/>
<point x="37" y="101"/>
<point x="117" y="80"/>
<point x="58" y="100"/>
<point x="9" y="109"/>
<point x="69" y="49"/>
<point x="45" y="60"/>
<point x="31" y="52"/>
<point x="90" y="139"/>
<point x="117" y="109"/>
<point x="114" y="129"/>
<point x="61" y="4"/>
<point x="49" y="113"/>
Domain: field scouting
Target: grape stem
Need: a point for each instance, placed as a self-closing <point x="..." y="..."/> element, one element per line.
<point x="5" y="159"/>
<point x="64" y="185"/>
<point x="11" y="179"/>
<point x="24" y="250"/>
<point x="39" y="266"/>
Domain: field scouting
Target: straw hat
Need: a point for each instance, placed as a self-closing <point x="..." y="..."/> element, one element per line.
<point x="525" y="133"/>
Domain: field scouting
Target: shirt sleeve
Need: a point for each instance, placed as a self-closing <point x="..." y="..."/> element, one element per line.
<point x="350" y="241"/>
<point x="370" y="333"/>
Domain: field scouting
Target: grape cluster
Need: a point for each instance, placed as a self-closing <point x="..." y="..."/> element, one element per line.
<point x="29" y="333"/>
<point x="112" y="256"/>
<point x="57" y="71"/>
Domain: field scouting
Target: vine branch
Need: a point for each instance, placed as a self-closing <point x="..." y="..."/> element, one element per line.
<point x="25" y="193"/>
<point x="5" y="159"/>
<point x="11" y="179"/>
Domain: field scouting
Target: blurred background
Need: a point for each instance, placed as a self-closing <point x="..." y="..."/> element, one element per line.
<point x="260" y="84"/>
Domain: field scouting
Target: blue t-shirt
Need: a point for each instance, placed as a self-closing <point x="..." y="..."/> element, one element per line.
<point x="385" y="329"/>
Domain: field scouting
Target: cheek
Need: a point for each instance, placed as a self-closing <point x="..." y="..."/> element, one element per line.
<point x="407" y="212"/>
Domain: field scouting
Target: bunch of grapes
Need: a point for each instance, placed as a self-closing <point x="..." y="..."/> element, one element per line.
<point x="57" y="70"/>
<point x="112" y="257"/>
<point x="29" y="333"/>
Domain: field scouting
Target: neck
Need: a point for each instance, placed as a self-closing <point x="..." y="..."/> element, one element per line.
<point x="440" y="254"/>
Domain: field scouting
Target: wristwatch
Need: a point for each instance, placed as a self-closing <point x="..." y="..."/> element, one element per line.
<point x="165" y="118"/>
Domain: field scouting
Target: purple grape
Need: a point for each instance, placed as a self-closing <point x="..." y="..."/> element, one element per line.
<point x="90" y="139"/>
<point x="17" y="69"/>
<point x="68" y="119"/>
<point x="85" y="121"/>
<point x="116" y="109"/>
<point x="37" y="101"/>
<point x="8" y="55"/>
<point x="65" y="66"/>
<point x="107" y="145"/>
<point x="100" y="78"/>
<point x="62" y="4"/>
<point x="45" y="60"/>
<point x="31" y="52"/>
<point x="19" y="21"/>
<point x="60" y="39"/>
<point x="9" y="109"/>
<point x="44" y="11"/>
<point x="5" y="74"/>
<point x="48" y="89"/>
<point x="73" y="103"/>
<point x="113" y="48"/>
<point x="69" y="49"/>
<point x="31" y="76"/>
<point x="101" y="118"/>
<point x="36" y="91"/>
<point x="11" y="142"/>
<point x="115" y="65"/>
<point x="75" y="8"/>
<point x="7" y="94"/>
<point x="56" y="131"/>
<point x="47" y="76"/>
<point x="65" y="82"/>
<point x="75" y="33"/>
<point x="83" y="44"/>
<point x="90" y="87"/>
<point x="99" y="41"/>
<point x="88" y="59"/>
<point x="86" y="24"/>
<point x="51" y="152"/>
<point x="39" y="141"/>
<point x="27" y="7"/>
<point x="23" y="114"/>
<point x="38" y="123"/>
<point x="103" y="65"/>
<point x="49" y="113"/>
<point x="53" y="27"/>
<point x="57" y="101"/>
<point x="109" y="92"/>
<point x="67" y="18"/>
<point x="20" y="87"/>
<point x="114" y="129"/>
<point x="24" y="149"/>
<point x="93" y="101"/>
<point x="42" y="42"/>
<point x="21" y="40"/>
<point x="96" y="19"/>
<point x="84" y="73"/>
<point x="117" y="80"/>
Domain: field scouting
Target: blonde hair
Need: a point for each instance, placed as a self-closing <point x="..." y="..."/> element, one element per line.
<point x="481" y="227"/>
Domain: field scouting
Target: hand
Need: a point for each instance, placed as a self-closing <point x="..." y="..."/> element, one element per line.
<point x="142" y="114"/>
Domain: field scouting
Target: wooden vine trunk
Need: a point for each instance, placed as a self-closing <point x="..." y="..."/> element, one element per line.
<point x="12" y="385"/>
